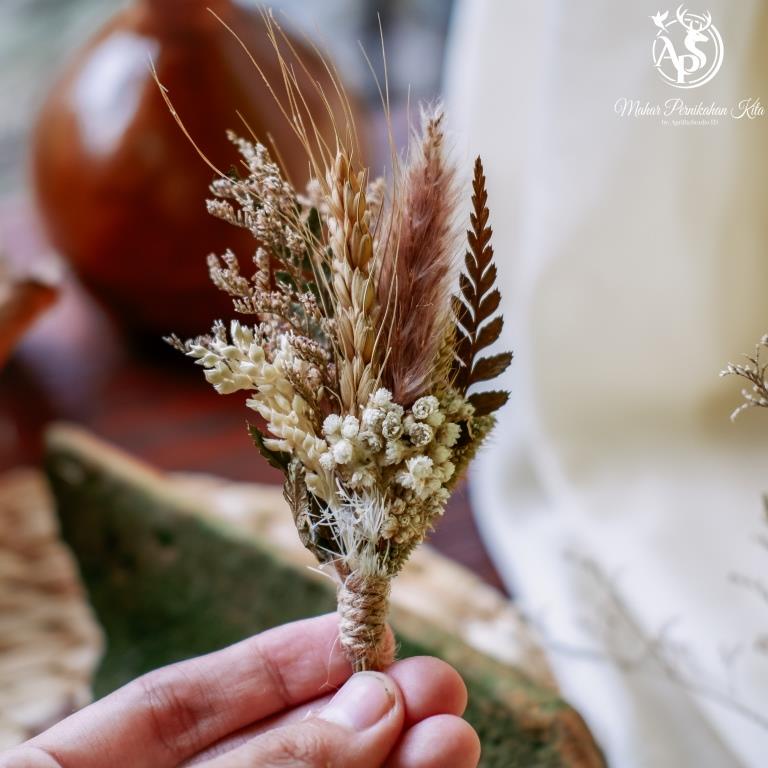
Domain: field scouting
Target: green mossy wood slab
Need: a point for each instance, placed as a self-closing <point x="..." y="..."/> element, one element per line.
<point x="167" y="584"/>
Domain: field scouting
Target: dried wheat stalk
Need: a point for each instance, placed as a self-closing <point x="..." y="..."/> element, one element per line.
<point x="359" y="360"/>
<point x="353" y="283"/>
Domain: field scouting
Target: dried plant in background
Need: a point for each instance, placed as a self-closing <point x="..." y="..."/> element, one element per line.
<point x="613" y="637"/>
<point x="753" y="371"/>
<point x="358" y="358"/>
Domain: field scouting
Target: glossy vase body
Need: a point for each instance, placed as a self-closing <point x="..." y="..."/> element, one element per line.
<point x="122" y="191"/>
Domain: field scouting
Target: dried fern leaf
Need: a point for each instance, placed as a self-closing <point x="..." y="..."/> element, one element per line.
<point x="476" y="326"/>
<point x="486" y="403"/>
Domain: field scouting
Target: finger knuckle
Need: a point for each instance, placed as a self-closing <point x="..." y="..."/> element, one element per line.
<point x="174" y="707"/>
<point x="274" y="675"/>
<point x="301" y="748"/>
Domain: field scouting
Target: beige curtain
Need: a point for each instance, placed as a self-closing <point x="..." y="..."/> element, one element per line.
<point x="619" y="501"/>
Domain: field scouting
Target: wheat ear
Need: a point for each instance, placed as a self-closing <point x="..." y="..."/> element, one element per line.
<point x="354" y="283"/>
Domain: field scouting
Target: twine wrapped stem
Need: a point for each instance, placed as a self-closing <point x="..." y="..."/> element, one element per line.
<point x="363" y="604"/>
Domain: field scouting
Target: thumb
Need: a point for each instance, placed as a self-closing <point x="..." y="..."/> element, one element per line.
<point x="359" y="726"/>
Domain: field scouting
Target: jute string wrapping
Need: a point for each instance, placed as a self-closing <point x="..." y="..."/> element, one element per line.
<point x="363" y="602"/>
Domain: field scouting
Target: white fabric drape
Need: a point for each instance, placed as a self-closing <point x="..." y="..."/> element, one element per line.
<point x="617" y="499"/>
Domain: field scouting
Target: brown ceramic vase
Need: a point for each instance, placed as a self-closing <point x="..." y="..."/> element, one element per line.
<point x="122" y="191"/>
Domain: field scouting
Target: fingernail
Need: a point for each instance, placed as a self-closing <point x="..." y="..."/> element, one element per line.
<point x="365" y="698"/>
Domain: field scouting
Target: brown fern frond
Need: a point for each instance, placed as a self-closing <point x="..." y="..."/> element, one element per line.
<point x="416" y="277"/>
<point x="477" y="327"/>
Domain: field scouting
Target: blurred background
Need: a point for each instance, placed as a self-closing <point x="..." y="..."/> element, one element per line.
<point x="616" y="504"/>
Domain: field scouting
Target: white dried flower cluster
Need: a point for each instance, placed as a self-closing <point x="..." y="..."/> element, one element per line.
<point x="401" y="456"/>
<point x="406" y="454"/>
<point x="244" y="361"/>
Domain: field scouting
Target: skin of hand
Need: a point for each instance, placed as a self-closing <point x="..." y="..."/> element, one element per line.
<point x="283" y="698"/>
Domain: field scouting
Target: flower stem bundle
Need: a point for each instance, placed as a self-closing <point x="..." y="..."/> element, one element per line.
<point x="364" y="340"/>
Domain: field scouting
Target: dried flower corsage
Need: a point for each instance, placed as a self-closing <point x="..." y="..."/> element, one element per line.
<point x="361" y="358"/>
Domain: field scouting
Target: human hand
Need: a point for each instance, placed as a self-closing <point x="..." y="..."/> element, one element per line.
<point x="268" y="701"/>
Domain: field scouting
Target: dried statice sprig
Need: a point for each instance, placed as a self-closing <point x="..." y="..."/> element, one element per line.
<point x="754" y="372"/>
<point x="360" y="360"/>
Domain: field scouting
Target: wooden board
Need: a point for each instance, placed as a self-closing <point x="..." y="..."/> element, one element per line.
<point x="169" y="577"/>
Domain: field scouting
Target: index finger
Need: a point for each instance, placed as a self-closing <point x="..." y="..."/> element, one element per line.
<point x="170" y="714"/>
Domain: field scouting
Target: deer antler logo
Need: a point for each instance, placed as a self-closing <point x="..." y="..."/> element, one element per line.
<point x="687" y="50"/>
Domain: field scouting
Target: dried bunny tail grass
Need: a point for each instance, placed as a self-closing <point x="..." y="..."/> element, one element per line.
<point x="354" y="284"/>
<point x="416" y="278"/>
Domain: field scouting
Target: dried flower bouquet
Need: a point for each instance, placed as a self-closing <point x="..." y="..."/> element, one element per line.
<point x="361" y="356"/>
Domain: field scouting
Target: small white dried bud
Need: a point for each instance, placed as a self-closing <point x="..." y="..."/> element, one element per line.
<point x="371" y="440"/>
<point x="419" y="466"/>
<point x="332" y="424"/>
<point x="420" y="434"/>
<point x="326" y="461"/>
<point x="417" y="475"/>
<point x="382" y="397"/>
<point x="449" y="434"/>
<point x="393" y="452"/>
<point x="392" y="426"/>
<point x="350" y="427"/>
<point x="424" y="407"/>
<point x="342" y="452"/>
<point x="362" y="478"/>
<point x="372" y="417"/>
